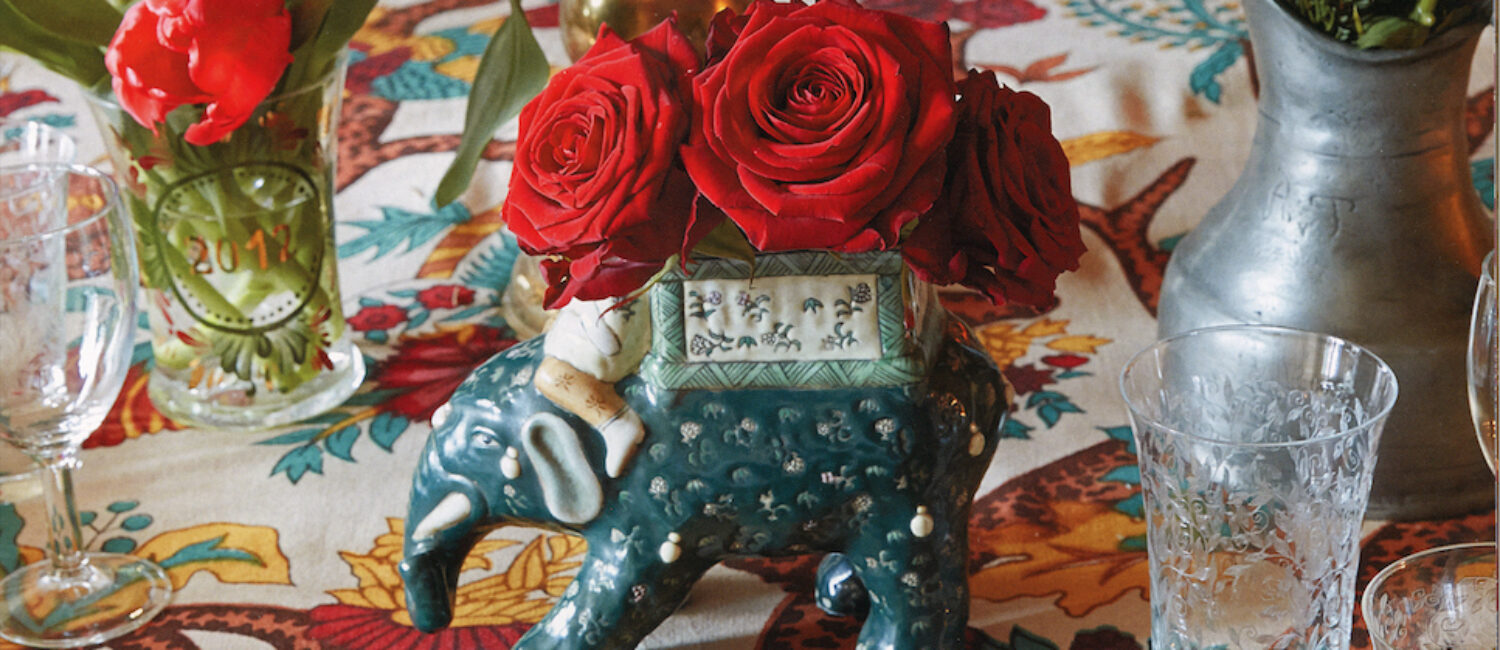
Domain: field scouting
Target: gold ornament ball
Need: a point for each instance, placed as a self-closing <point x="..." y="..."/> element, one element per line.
<point x="580" y="19"/>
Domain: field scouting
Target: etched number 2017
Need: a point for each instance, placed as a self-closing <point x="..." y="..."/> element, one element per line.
<point x="225" y="254"/>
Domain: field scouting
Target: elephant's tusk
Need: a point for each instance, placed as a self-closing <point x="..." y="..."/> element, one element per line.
<point x="451" y="510"/>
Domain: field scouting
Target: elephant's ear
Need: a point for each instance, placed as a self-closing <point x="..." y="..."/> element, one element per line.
<point x="570" y="487"/>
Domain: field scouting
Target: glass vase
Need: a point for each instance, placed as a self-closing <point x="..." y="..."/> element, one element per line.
<point x="238" y="259"/>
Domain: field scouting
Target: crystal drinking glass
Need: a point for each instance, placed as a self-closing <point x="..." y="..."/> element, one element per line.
<point x="68" y="283"/>
<point x="1256" y="447"/>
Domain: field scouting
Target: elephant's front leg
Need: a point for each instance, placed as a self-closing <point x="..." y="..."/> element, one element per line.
<point x="617" y="598"/>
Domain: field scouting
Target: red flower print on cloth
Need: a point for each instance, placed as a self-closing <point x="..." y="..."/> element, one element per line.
<point x="448" y="296"/>
<point x="429" y="369"/>
<point x="377" y="317"/>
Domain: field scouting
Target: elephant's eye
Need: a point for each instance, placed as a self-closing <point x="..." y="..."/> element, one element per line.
<point x="485" y="438"/>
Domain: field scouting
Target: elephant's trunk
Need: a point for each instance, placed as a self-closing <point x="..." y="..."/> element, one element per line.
<point x="440" y="532"/>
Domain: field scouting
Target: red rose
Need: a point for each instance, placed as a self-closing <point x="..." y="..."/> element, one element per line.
<point x="596" y="179"/>
<point x="377" y="317"/>
<point x="447" y="296"/>
<point x="1007" y="224"/>
<point x="822" y="126"/>
<point x="228" y="54"/>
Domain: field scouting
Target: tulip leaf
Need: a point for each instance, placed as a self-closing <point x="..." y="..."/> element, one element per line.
<point x="511" y="72"/>
<point x="92" y="21"/>
<point x="321" y="29"/>
<point x="342" y="20"/>
<point x="307" y="17"/>
<point x="74" y="59"/>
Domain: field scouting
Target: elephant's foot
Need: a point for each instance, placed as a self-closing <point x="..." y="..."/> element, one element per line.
<point x="839" y="591"/>
<point x="614" y="604"/>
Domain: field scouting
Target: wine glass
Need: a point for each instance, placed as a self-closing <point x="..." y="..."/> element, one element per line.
<point x="25" y="142"/>
<point x="1483" y="364"/>
<point x="68" y="283"/>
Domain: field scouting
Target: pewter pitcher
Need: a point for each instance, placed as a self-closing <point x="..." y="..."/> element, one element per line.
<point x="1356" y="216"/>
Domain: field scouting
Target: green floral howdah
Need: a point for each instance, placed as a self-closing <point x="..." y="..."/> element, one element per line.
<point x="236" y="244"/>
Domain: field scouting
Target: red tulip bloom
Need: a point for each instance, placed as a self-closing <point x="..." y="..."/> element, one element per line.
<point x="228" y="55"/>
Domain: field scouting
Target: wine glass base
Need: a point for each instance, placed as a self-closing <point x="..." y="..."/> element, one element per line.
<point x="113" y="595"/>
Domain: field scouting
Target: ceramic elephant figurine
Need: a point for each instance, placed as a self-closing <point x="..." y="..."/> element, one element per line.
<point x="883" y="477"/>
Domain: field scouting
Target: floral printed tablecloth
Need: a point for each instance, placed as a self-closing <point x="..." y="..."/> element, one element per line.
<point x="290" y="538"/>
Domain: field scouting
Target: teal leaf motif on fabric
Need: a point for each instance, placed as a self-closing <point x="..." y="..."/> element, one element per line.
<point x="416" y="80"/>
<point x="399" y="226"/>
<point x="1050" y="406"/>
<point x="207" y="550"/>
<point x="298" y="462"/>
<point x="341" y="443"/>
<point x="10" y="528"/>
<point x="1123" y="434"/>
<point x="123" y="506"/>
<point x="465" y="42"/>
<point x="1014" y="428"/>
<point x="118" y="545"/>
<point x="1129" y="474"/>
<point x="1484" y="180"/>
<point x="492" y="266"/>
<point x="386" y="428"/>
<point x="1204" y="80"/>
<point x="1175" y="24"/>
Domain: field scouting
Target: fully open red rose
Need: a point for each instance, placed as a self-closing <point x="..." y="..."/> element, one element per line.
<point x="596" y="178"/>
<point x="823" y="126"/>
<point x="228" y="54"/>
<point x="1007" y="224"/>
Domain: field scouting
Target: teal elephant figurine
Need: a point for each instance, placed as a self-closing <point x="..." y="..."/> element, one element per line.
<point x="880" y="477"/>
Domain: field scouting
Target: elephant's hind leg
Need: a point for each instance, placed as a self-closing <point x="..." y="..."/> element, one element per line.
<point x="918" y="590"/>
<point x="614" y="603"/>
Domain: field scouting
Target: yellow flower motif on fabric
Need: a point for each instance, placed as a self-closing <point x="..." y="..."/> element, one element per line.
<point x="1076" y="559"/>
<point x="423" y="48"/>
<point x="1006" y="342"/>
<point x="523" y="593"/>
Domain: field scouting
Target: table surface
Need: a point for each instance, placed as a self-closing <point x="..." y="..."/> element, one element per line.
<point x="290" y="538"/>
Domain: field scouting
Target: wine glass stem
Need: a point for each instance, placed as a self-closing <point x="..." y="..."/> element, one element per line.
<point x="64" y="534"/>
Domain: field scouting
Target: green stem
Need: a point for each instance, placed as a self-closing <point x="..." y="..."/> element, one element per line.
<point x="1424" y="13"/>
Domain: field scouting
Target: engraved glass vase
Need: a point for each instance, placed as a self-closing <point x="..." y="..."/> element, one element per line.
<point x="238" y="258"/>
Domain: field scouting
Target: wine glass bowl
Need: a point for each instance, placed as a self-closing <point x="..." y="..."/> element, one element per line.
<point x="1439" y="598"/>
<point x="68" y="282"/>
<point x="1483" y="365"/>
